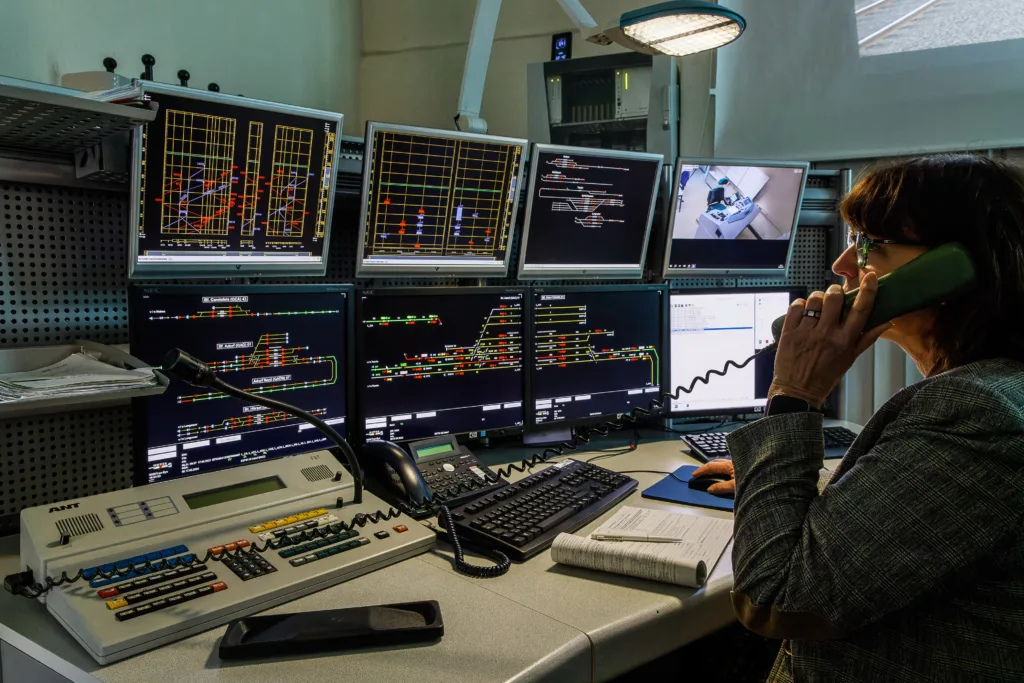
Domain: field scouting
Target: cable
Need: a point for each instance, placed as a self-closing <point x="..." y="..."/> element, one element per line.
<point x="501" y="562"/>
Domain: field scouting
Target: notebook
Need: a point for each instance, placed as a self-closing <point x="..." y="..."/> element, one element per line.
<point x="686" y="563"/>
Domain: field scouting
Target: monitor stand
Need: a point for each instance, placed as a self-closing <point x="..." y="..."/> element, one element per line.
<point x="547" y="437"/>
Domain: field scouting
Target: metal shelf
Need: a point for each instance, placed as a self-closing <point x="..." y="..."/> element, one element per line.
<point x="33" y="357"/>
<point x="42" y="129"/>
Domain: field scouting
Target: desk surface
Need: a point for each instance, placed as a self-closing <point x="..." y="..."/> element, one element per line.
<point x="539" y="622"/>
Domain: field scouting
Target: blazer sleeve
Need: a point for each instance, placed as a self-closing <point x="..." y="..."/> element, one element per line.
<point x="941" y="488"/>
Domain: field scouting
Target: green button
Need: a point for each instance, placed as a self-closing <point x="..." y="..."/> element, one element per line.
<point x="291" y="552"/>
<point x="320" y="543"/>
<point x="334" y="550"/>
<point x="323" y="553"/>
<point x="332" y="541"/>
<point x="352" y="544"/>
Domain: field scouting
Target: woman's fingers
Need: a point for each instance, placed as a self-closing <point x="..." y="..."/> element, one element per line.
<point x="721" y="466"/>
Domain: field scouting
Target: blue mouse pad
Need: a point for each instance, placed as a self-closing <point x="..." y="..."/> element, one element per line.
<point x="673" y="490"/>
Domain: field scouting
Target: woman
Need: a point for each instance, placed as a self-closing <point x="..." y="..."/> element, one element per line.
<point x="909" y="565"/>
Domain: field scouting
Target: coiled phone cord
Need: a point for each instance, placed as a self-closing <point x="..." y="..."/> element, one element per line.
<point x="501" y="562"/>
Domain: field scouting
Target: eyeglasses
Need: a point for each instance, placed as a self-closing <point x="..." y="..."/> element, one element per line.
<point x="863" y="245"/>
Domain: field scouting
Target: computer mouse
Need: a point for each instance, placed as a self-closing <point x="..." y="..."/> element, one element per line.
<point x="703" y="483"/>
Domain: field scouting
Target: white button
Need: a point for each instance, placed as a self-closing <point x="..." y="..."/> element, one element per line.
<point x="448" y="467"/>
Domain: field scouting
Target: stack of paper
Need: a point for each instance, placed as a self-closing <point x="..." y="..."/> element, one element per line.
<point x="698" y="542"/>
<point x="79" y="373"/>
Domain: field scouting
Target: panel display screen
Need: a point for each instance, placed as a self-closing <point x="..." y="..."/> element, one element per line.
<point x="228" y="186"/>
<point x="289" y="343"/>
<point x="440" y="363"/>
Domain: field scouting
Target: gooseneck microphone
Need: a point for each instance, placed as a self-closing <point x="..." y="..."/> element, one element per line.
<point x="191" y="370"/>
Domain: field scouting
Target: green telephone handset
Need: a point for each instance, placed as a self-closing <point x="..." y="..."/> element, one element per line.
<point x="935" y="276"/>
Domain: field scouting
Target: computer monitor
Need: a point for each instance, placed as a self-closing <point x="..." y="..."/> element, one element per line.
<point x="224" y="185"/>
<point x="596" y="351"/>
<point x="588" y="213"/>
<point x="289" y="342"/>
<point x="734" y="217"/>
<point x="436" y="361"/>
<point x="438" y="201"/>
<point x="707" y="329"/>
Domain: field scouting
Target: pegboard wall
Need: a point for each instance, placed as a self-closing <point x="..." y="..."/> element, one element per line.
<point x="63" y="276"/>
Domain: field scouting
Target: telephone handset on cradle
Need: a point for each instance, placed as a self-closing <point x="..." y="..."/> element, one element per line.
<point x="438" y="470"/>
<point x="933" y="277"/>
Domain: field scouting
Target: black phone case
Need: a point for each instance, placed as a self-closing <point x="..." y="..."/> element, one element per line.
<point x="275" y="635"/>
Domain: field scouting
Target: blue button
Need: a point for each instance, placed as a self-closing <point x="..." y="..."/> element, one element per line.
<point x="168" y="552"/>
<point x="178" y="549"/>
<point x="123" y="564"/>
<point x="89" y="573"/>
<point x="154" y="556"/>
<point x="188" y="558"/>
<point x="106" y="568"/>
<point x="138" y="560"/>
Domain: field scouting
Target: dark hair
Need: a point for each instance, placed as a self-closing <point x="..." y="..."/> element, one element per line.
<point x="965" y="198"/>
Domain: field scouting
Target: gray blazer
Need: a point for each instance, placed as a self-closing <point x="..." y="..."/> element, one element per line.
<point x="909" y="565"/>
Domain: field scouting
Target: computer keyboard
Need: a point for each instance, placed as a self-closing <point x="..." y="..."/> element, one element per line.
<point x="712" y="445"/>
<point x="523" y="519"/>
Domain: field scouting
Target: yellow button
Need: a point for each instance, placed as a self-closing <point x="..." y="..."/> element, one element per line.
<point x="304" y="515"/>
<point x="114" y="604"/>
<point x="320" y="511"/>
<point x="291" y="520"/>
<point x="256" y="528"/>
<point x="269" y="525"/>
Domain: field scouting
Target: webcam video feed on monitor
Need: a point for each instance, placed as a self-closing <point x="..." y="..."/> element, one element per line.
<point x="597" y="351"/>
<point x="437" y="201"/>
<point x="440" y="362"/>
<point x="228" y="186"/>
<point x="734" y="216"/>
<point x="589" y="212"/>
<point x="285" y="342"/>
<point x="708" y="329"/>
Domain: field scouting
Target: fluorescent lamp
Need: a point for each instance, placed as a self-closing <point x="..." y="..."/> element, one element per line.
<point x="677" y="28"/>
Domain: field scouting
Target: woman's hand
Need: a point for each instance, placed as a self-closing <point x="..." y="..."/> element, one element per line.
<point x="721" y="466"/>
<point x="815" y="351"/>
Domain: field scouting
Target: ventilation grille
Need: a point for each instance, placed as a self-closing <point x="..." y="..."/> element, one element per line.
<point x="318" y="473"/>
<point x="80" y="525"/>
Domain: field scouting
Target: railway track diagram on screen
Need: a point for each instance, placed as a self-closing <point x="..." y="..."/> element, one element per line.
<point x="241" y="422"/>
<point x="442" y="196"/>
<point x="560" y="341"/>
<point x="498" y="346"/>
<point x="585" y="192"/>
<point x="225" y="179"/>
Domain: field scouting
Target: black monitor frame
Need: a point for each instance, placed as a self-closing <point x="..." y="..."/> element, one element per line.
<point x="428" y="292"/>
<point x="795" y="292"/>
<point x="663" y="334"/>
<point x="140" y="431"/>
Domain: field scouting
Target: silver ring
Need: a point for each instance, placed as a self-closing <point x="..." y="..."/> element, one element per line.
<point x="811" y="313"/>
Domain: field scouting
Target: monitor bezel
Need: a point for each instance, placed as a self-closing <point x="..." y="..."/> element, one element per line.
<point x="439" y="291"/>
<point x="674" y="273"/>
<point x="141" y="431"/>
<point x="152" y="271"/>
<point x="525" y="272"/>
<point x="530" y="424"/>
<point x="373" y="270"/>
<point x="795" y="292"/>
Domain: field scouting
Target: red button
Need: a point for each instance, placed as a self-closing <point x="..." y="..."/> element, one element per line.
<point x="219" y="586"/>
<point x="242" y="544"/>
<point x="216" y="550"/>
<point x="231" y="547"/>
<point x="401" y="528"/>
<point x="108" y="593"/>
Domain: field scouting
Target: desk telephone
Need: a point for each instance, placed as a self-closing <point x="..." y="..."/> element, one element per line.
<point x="438" y="470"/>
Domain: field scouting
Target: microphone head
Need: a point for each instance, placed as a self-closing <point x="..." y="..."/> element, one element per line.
<point x="189" y="369"/>
<point x="777" y="327"/>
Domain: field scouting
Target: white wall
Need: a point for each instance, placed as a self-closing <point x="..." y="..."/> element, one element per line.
<point x="414" y="52"/>
<point x="301" y="52"/>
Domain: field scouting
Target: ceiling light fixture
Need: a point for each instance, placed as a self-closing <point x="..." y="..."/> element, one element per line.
<point x="677" y="28"/>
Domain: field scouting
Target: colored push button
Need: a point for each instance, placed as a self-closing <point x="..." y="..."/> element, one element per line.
<point x="117" y="604"/>
<point x="216" y="550"/>
<point x="123" y="570"/>
<point x="401" y="528"/>
<point x="285" y="521"/>
<point x="164" y="603"/>
<point x="382" y="534"/>
<point x="219" y="586"/>
<point x="242" y="544"/>
<point x="231" y="547"/>
<point x="108" y="593"/>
